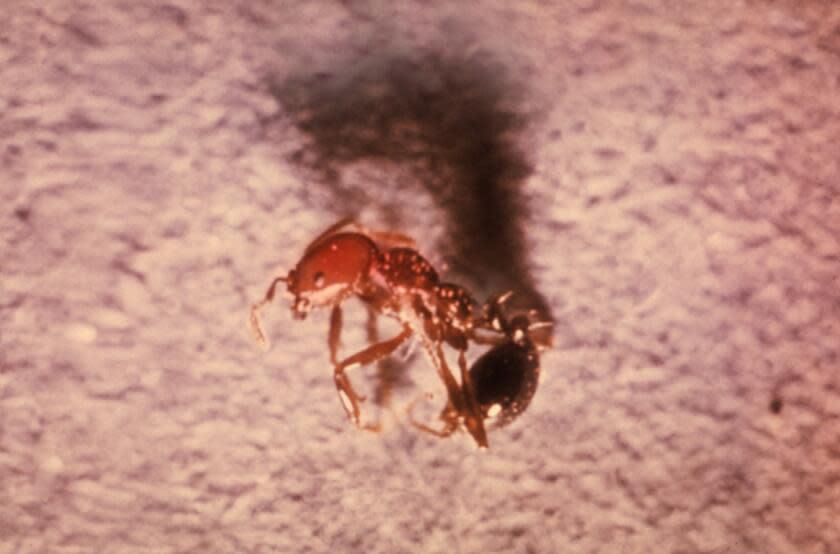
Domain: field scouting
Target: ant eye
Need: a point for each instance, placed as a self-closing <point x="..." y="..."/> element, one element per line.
<point x="319" y="279"/>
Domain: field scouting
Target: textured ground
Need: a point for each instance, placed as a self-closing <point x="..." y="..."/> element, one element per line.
<point x="662" y="180"/>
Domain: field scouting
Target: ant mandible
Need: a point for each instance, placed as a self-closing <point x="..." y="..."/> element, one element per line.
<point x="385" y="272"/>
<point x="501" y="382"/>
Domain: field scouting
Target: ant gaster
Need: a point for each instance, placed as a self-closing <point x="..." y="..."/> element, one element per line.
<point x="384" y="271"/>
<point x="502" y="381"/>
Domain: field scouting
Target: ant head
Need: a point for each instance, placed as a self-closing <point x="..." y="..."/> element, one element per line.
<point x="300" y="306"/>
<point x="493" y="315"/>
<point x="520" y="328"/>
<point x="329" y="270"/>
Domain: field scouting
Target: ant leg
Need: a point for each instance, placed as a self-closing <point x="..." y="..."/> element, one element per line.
<point x="334" y="336"/>
<point x="488" y="340"/>
<point x="453" y="391"/>
<point x="455" y="402"/>
<point x="472" y="413"/>
<point x="256" y="326"/>
<point x="372" y="328"/>
<point x="385" y="367"/>
<point x="449" y="416"/>
<point x="461" y="404"/>
<point x="349" y="399"/>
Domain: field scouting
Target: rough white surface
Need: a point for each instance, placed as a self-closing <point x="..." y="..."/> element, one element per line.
<point x="685" y="231"/>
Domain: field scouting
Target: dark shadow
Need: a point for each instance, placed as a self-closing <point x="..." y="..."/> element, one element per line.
<point x="452" y="121"/>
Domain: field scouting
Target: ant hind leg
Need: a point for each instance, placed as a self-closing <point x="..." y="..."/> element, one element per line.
<point x="472" y="413"/>
<point x="449" y="416"/>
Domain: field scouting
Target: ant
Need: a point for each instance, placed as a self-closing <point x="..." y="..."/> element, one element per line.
<point x="385" y="271"/>
<point x="501" y="382"/>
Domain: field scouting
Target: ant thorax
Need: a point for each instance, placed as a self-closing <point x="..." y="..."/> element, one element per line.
<point x="405" y="269"/>
<point x="410" y="282"/>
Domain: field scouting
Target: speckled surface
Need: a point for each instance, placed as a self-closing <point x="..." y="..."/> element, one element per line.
<point x="679" y="219"/>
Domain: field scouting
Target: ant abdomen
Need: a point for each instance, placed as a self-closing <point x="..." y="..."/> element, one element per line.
<point x="505" y="379"/>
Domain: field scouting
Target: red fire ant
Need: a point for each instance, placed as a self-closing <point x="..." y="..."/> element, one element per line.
<point x="391" y="278"/>
<point x="500" y="383"/>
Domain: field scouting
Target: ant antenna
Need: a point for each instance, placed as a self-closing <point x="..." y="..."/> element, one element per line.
<point x="256" y="325"/>
<point x="540" y="325"/>
<point x="502" y="298"/>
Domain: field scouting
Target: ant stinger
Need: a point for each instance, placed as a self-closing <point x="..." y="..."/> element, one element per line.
<point x="384" y="271"/>
<point x="501" y="383"/>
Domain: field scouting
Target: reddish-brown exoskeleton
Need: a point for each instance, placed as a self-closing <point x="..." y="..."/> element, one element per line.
<point x="501" y="383"/>
<point x="391" y="278"/>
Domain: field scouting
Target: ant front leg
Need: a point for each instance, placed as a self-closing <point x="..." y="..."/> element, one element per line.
<point x="349" y="399"/>
<point x="334" y="336"/>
